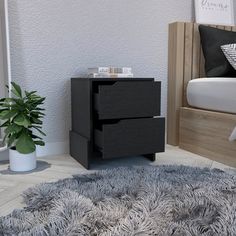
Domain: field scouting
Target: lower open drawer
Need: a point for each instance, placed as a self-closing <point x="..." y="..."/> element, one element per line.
<point x="131" y="137"/>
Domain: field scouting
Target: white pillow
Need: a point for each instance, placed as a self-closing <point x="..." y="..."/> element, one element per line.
<point x="230" y="52"/>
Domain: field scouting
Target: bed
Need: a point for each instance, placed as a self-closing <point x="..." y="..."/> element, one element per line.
<point x="201" y="114"/>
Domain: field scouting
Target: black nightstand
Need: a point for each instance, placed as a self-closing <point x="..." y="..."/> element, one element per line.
<point x="116" y="118"/>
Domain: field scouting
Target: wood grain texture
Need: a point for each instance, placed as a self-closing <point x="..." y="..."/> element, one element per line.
<point x="206" y="133"/>
<point x="196" y="53"/>
<point x="175" y="79"/>
<point x="186" y="62"/>
<point x="188" y="59"/>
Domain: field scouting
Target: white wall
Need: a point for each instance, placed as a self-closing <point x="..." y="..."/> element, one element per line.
<point x="3" y="77"/>
<point x="3" y="65"/>
<point x="53" y="40"/>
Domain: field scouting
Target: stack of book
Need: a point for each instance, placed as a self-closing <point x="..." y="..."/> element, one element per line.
<point x="110" y="72"/>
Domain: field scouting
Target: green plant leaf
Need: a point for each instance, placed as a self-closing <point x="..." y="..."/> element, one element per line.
<point x="40" y="143"/>
<point x="7" y="114"/>
<point x="38" y="113"/>
<point x="6" y="106"/>
<point x="38" y="129"/>
<point x="11" y="140"/>
<point x="22" y="120"/>
<point x="18" y="101"/>
<point x="23" y="115"/>
<point x="16" y="89"/>
<point x="39" y="109"/>
<point x="13" y="128"/>
<point x="35" y="136"/>
<point x="7" y="100"/>
<point x="25" y="144"/>
<point x="29" y="94"/>
<point x="36" y="121"/>
<point x="5" y="138"/>
<point x="5" y="124"/>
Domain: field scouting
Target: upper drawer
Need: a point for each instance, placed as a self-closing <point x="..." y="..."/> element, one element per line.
<point x="127" y="99"/>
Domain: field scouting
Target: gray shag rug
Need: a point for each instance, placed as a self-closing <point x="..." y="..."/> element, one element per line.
<point x="167" y="200"/>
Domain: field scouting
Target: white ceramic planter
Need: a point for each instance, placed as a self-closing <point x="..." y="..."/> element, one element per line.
<point x="22" y="162"/>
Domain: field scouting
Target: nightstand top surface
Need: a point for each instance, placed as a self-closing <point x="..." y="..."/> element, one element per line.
<point x="114" y="79"/>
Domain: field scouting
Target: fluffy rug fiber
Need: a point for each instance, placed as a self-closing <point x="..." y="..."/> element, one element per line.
<point x="167" y="200"/>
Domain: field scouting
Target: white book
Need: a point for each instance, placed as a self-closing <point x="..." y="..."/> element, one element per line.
<point x="110" y="75"/>
<point x="113" y="70"/>
<point x="120" y="70"/>
<point x="127" y="70"/>
<point x="99" y="70"/>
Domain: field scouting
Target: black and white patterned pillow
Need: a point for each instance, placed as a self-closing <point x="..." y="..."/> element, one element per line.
<point x="230" y="52"/>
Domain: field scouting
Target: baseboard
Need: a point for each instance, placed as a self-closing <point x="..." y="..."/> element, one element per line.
<point x="50" y="149"/>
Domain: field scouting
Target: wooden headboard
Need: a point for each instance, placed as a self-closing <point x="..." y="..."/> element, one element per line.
<point x="186" y="62"/>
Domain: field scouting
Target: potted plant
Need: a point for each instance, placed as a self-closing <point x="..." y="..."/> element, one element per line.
<point x="22" y="123"/>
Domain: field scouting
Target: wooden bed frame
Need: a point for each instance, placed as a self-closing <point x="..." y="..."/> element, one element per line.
<point x="199" y="131"/>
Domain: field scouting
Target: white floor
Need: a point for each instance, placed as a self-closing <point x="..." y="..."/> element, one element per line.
<point x="57" y="167"/>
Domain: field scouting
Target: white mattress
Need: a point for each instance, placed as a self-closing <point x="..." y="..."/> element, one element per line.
<point x="217" y="94"/>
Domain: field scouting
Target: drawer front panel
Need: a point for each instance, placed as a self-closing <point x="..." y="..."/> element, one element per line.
<point x="128" y="99"/>
<point x="131" y="137"/>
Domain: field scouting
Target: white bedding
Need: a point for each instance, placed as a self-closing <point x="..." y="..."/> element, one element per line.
<point x="217" y="94"/>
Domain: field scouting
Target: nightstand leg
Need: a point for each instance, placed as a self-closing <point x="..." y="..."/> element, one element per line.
<point x="151" y="157"/>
